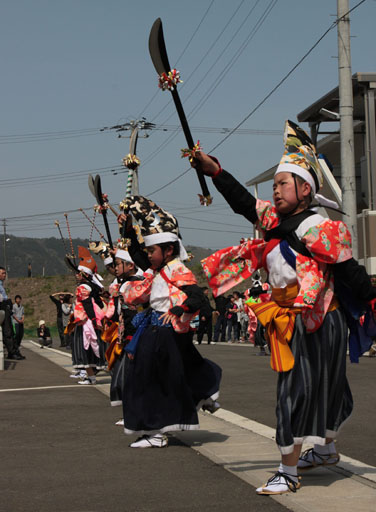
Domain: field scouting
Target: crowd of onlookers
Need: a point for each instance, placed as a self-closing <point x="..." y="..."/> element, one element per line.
<point x="64" y="309"/>
<point x="13" y="319"/>
<point x="229" y="321"/>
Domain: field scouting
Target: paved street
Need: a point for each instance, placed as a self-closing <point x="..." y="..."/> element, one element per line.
<point x="249" y="387"/>
<point x="61" y="451"/>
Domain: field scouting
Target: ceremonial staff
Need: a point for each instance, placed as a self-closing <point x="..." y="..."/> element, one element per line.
<point x="103" y="204"/>
<point x="132" y="162"/>
<point x="168" y="79"/>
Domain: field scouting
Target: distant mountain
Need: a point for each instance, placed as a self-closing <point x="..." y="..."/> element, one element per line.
<point x="46" y="255"/>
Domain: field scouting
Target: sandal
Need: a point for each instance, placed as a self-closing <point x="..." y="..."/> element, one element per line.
<point x="156" y="441"/>
<point x="280" y="483"/>
<point x="311" y="459"/>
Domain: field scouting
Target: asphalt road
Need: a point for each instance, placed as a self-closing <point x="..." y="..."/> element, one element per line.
<point x="249" y="389"/>
<point x="60" y="451"/>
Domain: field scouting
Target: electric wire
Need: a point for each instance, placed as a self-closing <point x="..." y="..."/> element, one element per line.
<point x="220" y="76"/>
<point x="332" y="26"/>
<point x="220" y="34"/>
<point x="275" y="88"/>
<point x="181" y="54"/>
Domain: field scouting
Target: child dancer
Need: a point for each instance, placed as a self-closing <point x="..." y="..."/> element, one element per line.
<point x="125" y="271"/>
<point x="167" y="379"/>
<point x="302" y="252"/>
<point x="88" y="347"/>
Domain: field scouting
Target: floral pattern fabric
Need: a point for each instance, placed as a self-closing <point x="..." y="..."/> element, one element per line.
<point x="138" y="292"/>
<point x="329" y="242"/>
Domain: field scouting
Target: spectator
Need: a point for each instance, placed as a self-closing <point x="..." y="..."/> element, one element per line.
<point x="240" y="310"/>
<point x="244" y="321"/>
<point x="221" y="322"/>
<point x="205" y="324"/>
<point x="232" y="321"/>
<point x="44" y="335"/>
<point x="7" y="328"/>
<point x="29" y="270"/>
<point x="59" y="314"/>
<point x="18" y="320"/>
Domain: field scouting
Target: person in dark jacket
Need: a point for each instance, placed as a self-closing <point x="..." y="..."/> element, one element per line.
<point x="59" y="314"/>
<point x="205" y="324"/>
<point x="221" y="322"/>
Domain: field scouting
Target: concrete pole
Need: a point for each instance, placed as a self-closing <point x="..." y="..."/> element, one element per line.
<point x="5" y="242"/>
<point x="348" y="179"/>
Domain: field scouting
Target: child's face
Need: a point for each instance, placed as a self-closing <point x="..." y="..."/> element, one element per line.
<point x="122" y="268"/>
<point x="155" y="256"/>
<point x="285" y="196"/>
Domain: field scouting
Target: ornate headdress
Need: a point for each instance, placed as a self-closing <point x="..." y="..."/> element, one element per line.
<point x="88" y="265"/>
<point x="300" y="158"/>
<point x="103" y="250"/>
<point x="156" y="224"/>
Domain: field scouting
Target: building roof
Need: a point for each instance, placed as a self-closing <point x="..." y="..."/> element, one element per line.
<point x="330" y="101"/>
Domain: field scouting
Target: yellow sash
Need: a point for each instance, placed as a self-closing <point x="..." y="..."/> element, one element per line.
<point x="110" y="335"/>
<point x="278" y="316"/>
<point x="279" y="319"/>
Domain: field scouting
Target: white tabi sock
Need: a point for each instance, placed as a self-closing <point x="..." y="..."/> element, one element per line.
<point x="325" y="449"/>
<point x="278" y="484"/>
<point x="291" y="471"/>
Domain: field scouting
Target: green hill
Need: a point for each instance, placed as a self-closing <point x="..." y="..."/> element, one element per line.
<point x="46" y="255"/>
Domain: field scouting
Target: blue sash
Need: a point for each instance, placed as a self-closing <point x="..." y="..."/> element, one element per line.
<point x="141" y="321"/>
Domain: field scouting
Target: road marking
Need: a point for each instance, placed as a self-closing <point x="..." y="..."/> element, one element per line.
<point x="45" y="387"/>
<point x="49" y="349"/>
<point x="348" y="464"/>
<point x="352" y="466"/>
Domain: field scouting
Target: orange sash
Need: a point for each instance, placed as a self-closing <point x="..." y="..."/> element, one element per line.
<point x="110" y="335"/>
<point x="113" y="352"/>
<point x="278" y="316"/>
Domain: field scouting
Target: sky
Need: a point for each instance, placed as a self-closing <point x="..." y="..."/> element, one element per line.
<point x="71" y="68"/>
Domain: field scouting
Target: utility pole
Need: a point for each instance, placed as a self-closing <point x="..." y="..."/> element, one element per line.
<point x="131" y="162"/>
<point x="5" y="242"/>
<point x="348" y="178"/>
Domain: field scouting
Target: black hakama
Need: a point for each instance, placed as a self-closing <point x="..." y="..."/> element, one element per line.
<point x="117" y="379"/>
<point x="166" y="383"/>
<point x="86" y="358"/>
<point x="314" y="397"/>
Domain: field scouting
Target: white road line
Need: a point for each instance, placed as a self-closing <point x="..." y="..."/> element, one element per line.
<point x="65" y="354"/>
<point x="348" y="464"/>
<point x="45" y="387"/>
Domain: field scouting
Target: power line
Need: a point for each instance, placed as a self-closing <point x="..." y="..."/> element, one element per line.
<point x="219" y="79"/>
<point x="333" y="25"/>
<point x="181" y="54"/>
<point x="61" y="176"/>
<point x="186" y="80"/>
<point x="221" y="75"/>
<point x="49" y="136"/>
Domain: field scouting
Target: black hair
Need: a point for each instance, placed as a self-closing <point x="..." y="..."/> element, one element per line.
<point x="174" y="245"/>
<point x="301" y="180"/>
<point x="17" y="297"/>
<point x="3" y="268"/>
